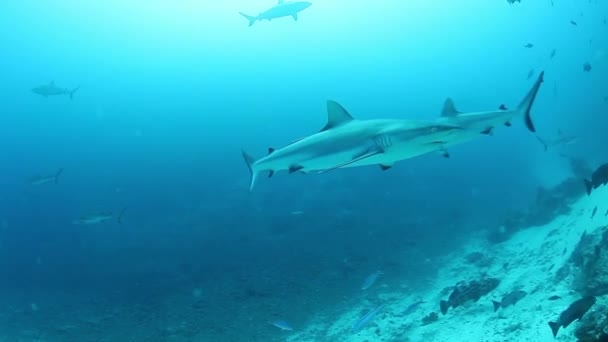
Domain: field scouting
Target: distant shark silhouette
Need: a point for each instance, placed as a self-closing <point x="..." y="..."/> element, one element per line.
<point x="282" y="9"/>
<point x="560" y="140"/>
<point x="51" y="89"/>
<point x="347" y="142"/>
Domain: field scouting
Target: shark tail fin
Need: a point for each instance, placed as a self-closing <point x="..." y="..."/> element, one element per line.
<point x="251" y="19"/>
<point x="249" y="160"/>
<point x="57" y="174"/>
<point x="73" y="91"/>
<point x="526" y="104"/>
<point x="544" y="143"/>
<point x="121" y="214"/>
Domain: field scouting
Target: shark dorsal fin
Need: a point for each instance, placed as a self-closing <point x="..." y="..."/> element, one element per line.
<point x="336" y="115"/>
<point x="449" y="109"/>
<point x="271" y="150"/>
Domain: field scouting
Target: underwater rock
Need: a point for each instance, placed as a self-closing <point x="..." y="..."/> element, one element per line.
<point x="430" y="318"/>
<point x="594" y="326"/>
<point x="471" y="291"/>
<point x="478" y="259"/>
<point x="549" y="204"/>
<point x="589" y="262"/>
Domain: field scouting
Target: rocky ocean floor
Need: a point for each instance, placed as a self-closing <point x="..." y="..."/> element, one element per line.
<point x="563" y="260"/>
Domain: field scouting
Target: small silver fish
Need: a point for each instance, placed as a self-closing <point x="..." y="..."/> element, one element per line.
<point x="363" y="321"/>
<point x="281" y="324"/>
<point x="370" y="280"/>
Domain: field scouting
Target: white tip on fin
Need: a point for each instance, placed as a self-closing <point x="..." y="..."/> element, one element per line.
<point x="449" y="109"/>
<point x="336" y="115"/>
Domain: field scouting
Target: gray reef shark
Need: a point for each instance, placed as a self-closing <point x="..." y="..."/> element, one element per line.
<point x="51" y="89"/>
<point x="282" y="9"/>
<point x="41" y="180"/>
<point x="560" y="140"/>
<point x="348" y="142"/>
<point x="99" y="218"/>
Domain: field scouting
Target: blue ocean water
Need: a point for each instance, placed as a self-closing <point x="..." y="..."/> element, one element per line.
<point x="170" y="92"/>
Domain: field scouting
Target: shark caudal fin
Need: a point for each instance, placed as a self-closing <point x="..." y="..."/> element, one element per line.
<point x="73" y="91"/>
<point x="57" y="174"/>
<point x="526" y="104"/>
<point x="121" y="214"/>
<point x="250" y="18"/>
<point x="544" y="143"/>
<point x="249" y="160"/>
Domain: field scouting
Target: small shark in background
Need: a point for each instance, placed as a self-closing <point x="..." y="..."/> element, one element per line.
<point x="347" y="142"/>
<point x="41" y="180"/>
<point x="99" y="218"/>
<point x="559" y="141"/>
<point x="51" y="89"/>
<point x="282" y="9"/>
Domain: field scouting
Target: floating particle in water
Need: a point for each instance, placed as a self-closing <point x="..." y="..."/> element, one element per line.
<point x="587" y="67"/>
<point x="197" y="293"/>
<point x="530" y="74"/>
<point x="573" y="23"/>
<point x="529" y="46"/>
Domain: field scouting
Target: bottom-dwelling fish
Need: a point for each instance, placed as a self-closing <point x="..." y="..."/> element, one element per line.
<point x="598" y="178"/>
<point x="464" y="292"/>
<point x="573" y="313"/>
<point x="509" y="299"/>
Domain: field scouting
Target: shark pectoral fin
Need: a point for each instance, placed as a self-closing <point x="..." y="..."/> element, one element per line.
<point x="385" y="167"/>
<point x="270" y="174"/>
<point x="295" y="168"/>
<point x="295" y="16"/>
<point x="355" y="159"/>
<point x="336" y="115"/>
<point x="449" y="109"/>
<point x="488" y="131"/>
